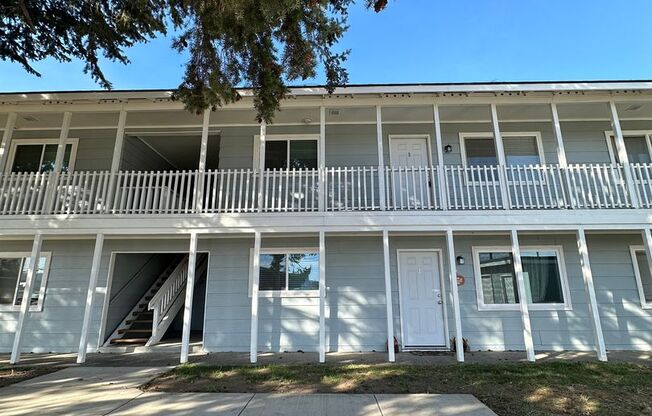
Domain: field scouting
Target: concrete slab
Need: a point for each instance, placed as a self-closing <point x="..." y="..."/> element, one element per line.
<point x="62" y="401"/>
<point x="94" y="378"/>
<point x="312" y="404"/>
<point x="196" y="404"/>
<point x="432" y="405"/>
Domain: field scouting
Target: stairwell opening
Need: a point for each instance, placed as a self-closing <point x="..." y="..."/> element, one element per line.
<point x="147" y="296"/>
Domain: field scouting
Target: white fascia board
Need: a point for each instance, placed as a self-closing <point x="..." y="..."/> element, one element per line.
<point x="609" y="220"/>
<point x="69" y="96"/>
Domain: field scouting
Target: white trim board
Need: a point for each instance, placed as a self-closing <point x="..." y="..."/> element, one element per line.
<point x="645" y="304"/>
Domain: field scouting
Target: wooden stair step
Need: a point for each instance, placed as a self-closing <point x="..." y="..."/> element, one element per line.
<point x="129" y="341"/>
<point x="138" y="321"/>
<point x="132" y="330"/>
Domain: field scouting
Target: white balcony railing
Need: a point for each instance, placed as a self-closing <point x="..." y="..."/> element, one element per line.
<point x="580" y="186"/>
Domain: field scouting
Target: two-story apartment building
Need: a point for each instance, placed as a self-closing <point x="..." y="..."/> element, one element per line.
<point x="514" y="216"/>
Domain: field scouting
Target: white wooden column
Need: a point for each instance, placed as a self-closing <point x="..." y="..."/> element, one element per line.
<point x="90" y="295"/>
<point x="187" y="305"/>
<point x="322" y="158"/>
<point x="561" y="153"/>
<point x="381" y="158"/>
<point x="587" y="274"/>
<point x="116" y="159"/>
<point x="255" y="279"/>
<point x="32" y="269"/>
<point x="452" y="276"/>
<point x="58" y="162"/>
<point x="388" y="299"/>
<point x="441" y="172"/>
<point x="522" y="296"/>
<point x="6" y="139"/>
<point x="500" y="154"/>
<point x="622" y="153"/>
<point x="261" y="164"/>
<point x="201" y="169"/>
<point x="647" y="241"/>
<point x="322" y="297"/>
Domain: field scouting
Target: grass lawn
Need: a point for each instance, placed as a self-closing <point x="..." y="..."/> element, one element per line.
<point x="508" y="389"/>
<point x="11" y="375"/>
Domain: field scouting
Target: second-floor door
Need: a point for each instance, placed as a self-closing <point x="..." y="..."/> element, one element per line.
<point x="411" y="178"/>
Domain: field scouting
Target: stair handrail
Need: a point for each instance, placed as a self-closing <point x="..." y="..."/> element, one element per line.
<point x="171" y="287"/>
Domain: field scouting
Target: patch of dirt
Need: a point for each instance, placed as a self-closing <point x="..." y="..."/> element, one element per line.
<point x="11" y="375"/>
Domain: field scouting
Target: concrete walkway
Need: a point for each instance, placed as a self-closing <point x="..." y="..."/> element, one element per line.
<point x="114" y="391"/>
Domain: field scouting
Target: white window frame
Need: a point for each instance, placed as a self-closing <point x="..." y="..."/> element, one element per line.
<point x="282" y="293"/>
<point x="488" y="135"/>
<point x="637" y="273"/>
<point x="18" y="142"/>
<point x="279" y="137"/>
<point x="567" y="305"/>
<point x="41" y="294"/>
<point x="609" y="136"/>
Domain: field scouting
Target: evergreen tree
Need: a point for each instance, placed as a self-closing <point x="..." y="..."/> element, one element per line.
<point x="261" y="44"/>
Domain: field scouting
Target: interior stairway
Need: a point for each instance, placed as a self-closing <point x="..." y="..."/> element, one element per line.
<point x="137" y="327"/>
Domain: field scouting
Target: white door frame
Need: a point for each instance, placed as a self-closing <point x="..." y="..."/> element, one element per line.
<point x="109" y="283"/>
<point x="438" y="252"/>
<point x="410" y="136"/>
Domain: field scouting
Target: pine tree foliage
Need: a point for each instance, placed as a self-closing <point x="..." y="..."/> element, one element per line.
<point x="261" y="44"/>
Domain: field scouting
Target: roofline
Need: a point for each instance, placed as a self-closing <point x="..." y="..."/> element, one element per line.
<point x="351" y="89"/>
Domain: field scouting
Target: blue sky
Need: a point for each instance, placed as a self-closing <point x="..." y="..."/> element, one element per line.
<point x="431" y="41"/>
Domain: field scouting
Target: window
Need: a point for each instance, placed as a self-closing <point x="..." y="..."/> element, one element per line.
<point x="13" y="275"/>
<point x="543" y="272"/>
<point x="636" y="145"/>
<point x="479" y="149"/>
<point x="643" y="277"/>
<point x="291" y="154"/>
<point x="291" y="271"/>
<point x="38" y="155"/>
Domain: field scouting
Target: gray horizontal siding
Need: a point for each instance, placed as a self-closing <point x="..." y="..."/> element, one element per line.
<point x="356" y="299"/>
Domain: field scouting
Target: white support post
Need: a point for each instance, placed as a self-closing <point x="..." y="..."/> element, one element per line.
<point x="187" y="305"/>
<point x="116" y="159"/>
<point x="500" y="153"/>
<point x="556" y="124"/>
<point x="253" y="349"/>
<point x="388" y="299"/>
<point x="261" y="164"/>
<point x="587" y="274"/>
<point x="201" y="169"/>
<point x="58" y="162"/>
<point x="381" y="158"/>
<point x="322" y="158"/>
<point x="6" y="139"/>
<point x="32" y="269"/>
<point x="522" y="297"/>
<point x="441" y="176"/>
<point x="622" y="153"/>
<point x="322" y="296"/>
<point x="452" y="276"/>
<point x="90" y="295"/>
<point x="561" y="153"/>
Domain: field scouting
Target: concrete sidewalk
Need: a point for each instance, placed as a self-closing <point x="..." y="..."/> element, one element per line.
<point x="114" y="391"/>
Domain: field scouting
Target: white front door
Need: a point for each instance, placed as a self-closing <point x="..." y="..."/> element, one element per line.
<point x="422" y="303"/>
<point x="409" y="158"/>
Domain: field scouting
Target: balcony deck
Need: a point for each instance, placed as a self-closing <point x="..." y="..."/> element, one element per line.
<point x="352" y="189"/>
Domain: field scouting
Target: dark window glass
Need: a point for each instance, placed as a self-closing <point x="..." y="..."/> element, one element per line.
<point x="303" y="154"/>
<point x="498" y="279"/>
<point x="27" y="158"/>
<point x="9" y="269"/>
<point x="272" y="272"/>
<point x="276" y="154"/>
<point x="480" y="152"/>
